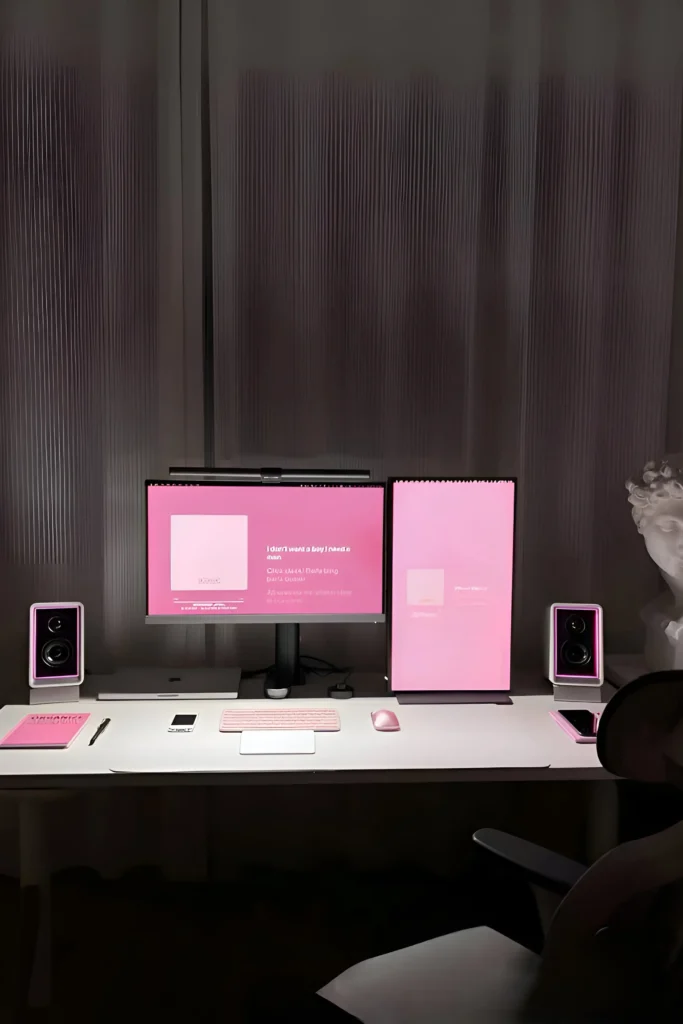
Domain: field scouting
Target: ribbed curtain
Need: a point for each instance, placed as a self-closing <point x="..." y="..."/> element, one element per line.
<point x="94" y="394"/>
<point x="444" y="240"/>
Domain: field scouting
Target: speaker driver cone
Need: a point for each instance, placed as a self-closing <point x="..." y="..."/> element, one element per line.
<point x="575" y="654"/>
<point x="56" y="653"/>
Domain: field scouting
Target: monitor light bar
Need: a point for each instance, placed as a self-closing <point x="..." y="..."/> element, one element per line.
<point x="272" y="476"/>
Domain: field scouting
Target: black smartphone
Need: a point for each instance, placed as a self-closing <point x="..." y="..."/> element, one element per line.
<point x="182" y="723"/>
<point x="581" y="725"/>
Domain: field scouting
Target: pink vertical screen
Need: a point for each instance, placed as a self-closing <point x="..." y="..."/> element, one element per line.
<point x="451" y="604"/>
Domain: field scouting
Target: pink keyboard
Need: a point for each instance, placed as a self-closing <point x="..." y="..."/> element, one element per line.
<point x="317" y="719"/>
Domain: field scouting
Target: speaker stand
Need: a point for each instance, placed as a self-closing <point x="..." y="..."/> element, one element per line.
<point x="589" y="693"/>
<point x="54" y="694"/>
<point x="457" y="697"/>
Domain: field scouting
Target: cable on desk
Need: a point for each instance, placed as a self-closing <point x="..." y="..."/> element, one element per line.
<point x="320" y="667"/>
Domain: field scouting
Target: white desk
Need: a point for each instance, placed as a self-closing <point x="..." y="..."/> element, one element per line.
<point x="476" y="742"/>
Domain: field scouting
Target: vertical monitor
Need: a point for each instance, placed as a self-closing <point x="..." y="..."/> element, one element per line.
<point x="265" y="553"/>
<point x="452" y="551"/>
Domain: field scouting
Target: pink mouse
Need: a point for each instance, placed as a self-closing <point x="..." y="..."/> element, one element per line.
<point x="385" y="721"/>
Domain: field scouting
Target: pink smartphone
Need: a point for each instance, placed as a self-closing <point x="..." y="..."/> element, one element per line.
<point x="580" y="724"/>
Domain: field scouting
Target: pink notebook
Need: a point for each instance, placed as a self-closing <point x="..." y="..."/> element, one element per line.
<point x="54" y="732"/>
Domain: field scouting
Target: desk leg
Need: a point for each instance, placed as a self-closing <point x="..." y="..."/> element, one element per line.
<point x="603" y="819"/>
<point x="35" y="931"/>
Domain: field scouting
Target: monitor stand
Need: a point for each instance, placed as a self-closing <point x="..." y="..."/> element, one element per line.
<point x="287" y="671"/>
<point x="455" y="697"/>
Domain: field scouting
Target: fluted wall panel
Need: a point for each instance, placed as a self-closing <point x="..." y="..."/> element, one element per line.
<point x="445" y="242"/>
<point x="80" y="298"/>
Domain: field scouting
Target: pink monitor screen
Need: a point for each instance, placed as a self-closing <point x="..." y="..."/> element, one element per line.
<point x="451" y="604"/>
<point x="266" y="552"/>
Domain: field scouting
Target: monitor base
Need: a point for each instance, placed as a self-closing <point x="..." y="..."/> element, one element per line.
<point x="276" y="692"/>
<point x="455" y="697"/>
<point x="279" y="681"/>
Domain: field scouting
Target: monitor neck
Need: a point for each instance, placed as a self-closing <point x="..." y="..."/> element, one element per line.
<point x="287" y="671"/>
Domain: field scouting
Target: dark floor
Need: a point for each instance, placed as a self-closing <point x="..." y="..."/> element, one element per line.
<point x="214" y="952"/>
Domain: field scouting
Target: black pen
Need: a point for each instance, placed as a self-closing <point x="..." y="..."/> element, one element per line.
<point x="100" y="729"/>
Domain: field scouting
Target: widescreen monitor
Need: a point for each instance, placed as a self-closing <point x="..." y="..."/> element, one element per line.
<point x="451" y="569"/>
<point x="265" y="553"/>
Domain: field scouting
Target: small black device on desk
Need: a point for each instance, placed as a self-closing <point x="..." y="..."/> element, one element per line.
<point x="580" y="724"/>
<point x="182" y="723"/>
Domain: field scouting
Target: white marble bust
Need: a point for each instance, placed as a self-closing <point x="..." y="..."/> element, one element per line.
<point x="657" y="500"/>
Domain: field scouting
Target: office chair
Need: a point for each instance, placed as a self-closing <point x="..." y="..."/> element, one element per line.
<point x="614" y="949"/>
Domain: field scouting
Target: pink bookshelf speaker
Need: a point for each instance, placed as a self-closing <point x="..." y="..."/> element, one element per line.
<point x="574" y="651"/>
<point x="56" y="651"/>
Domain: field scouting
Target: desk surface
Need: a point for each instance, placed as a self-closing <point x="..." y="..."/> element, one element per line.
<point x="436" y="743"/>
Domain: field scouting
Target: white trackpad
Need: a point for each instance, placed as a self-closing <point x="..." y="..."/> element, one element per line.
<point x="278" y="741"/>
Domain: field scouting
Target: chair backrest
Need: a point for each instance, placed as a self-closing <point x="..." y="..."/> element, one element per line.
<point x="614" y="949"/>
<point x="640" y="736"/>
<point x="622" y="885"/>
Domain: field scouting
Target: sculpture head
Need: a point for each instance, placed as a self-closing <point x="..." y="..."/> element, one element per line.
<point x="657" y="499"/>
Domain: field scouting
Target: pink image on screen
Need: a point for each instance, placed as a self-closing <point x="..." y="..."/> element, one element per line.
<point x="425" y="586"/>
<point x="452" y="540"/>
<point x="280" y="551"/>
<point x="209" y="552"/>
